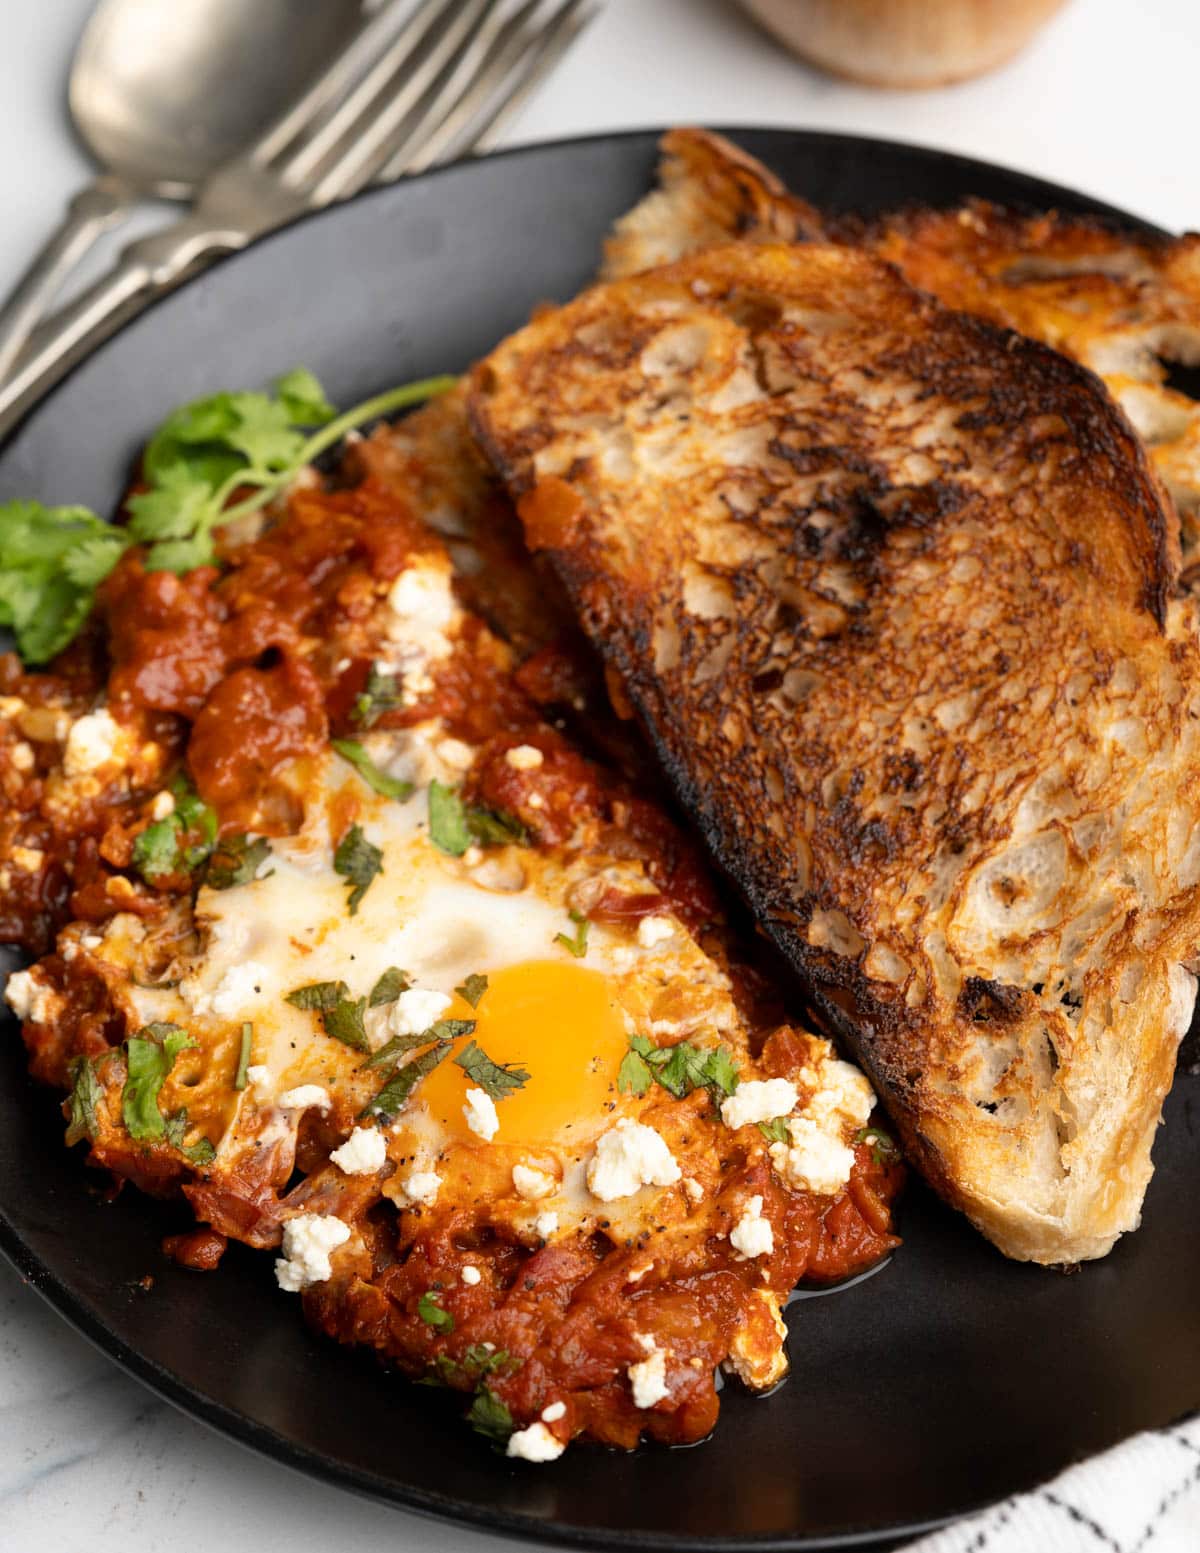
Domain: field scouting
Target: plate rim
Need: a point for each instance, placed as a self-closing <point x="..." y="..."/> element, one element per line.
<point x="239" y="1428"/>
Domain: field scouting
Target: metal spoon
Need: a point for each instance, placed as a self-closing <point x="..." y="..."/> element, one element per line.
<point x="161" y="93"/>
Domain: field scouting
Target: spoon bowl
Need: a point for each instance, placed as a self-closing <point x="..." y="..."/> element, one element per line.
<point x="161" y="95"/>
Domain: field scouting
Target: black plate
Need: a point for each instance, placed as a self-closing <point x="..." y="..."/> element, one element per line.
<point x="949" y="1378"/>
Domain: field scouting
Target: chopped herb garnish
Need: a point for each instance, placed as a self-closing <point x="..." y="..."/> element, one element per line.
<point x="448" y="828"/>
<point x="243" y="1062"/>
<point x="358" y="861"/>
<point x="236" y="860"/>
<point x="319" y="995"/>
<point x="149" y="1057"/>
<point x="776" y="1130"/>
<point x="432" y="1314"/>
<point x="86" y="1092"/>
<point x="454" y="824"/>
<point x="496" y="1079"/>
<point x="472" y="989"/>
<point x="443" y="1030"/>
<point x="487" y="1361"/>
<point x="52" y="559"/>
<point x="398" y="1088"/>
<point x="380" y="694"/>
<point x="487" y="1415"/>
<point x="678" y="1069"/>
<point x="575" y="943"/>
<point x="181" y="841"/>
<point x="883" y="1145"/>
<point x="344" y="1021"/>
<point x="388" y="988"/>
<point x="387" y="786"/>
<point x="201" y="1152"/>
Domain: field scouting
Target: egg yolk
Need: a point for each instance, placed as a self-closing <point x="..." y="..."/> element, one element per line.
<point x="561" y="1024"/>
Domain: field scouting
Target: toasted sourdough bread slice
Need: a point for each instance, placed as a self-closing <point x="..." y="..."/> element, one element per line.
<point x="888" y="587"/>
<point x="1124" y="303"/>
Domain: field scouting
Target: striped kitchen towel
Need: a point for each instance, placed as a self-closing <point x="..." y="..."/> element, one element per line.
<point x="1140" y="1497"/>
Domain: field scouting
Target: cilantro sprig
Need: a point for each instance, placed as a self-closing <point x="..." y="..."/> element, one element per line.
<point x="149" y="1057"/>
<point x="575" y="943"/>
<point x="432" y="1314"/>
<point x="52" y="559"/>
<point x="678" y="1069"/>
<point x="454" y="824"/>
<point x="358" y="861"/>
<point x="379" y="781"/>
<point x="182" y="841"/>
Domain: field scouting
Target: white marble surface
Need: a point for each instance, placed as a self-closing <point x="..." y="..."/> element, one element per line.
<point x="1103" y="100"/>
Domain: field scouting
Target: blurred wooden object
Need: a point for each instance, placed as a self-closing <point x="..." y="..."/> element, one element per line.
<point x="908" y="43"/>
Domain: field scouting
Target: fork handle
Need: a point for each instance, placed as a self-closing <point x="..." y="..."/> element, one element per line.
<point x="92" y="211"/>
<point x="149" y="266"/>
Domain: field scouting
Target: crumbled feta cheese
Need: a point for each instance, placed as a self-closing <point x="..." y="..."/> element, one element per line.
<point x="535" y="1444"/>
<point x="238" y="987"/>
<point x="654" y="930"/>
<point x="471" y="1275"/>
<point x="307" y="1241"/>
<point x="628" y="1157"/>
<point x="454" y="753"/>
<point x="553" y="1411"/>
<point x="648" y="1377"/>
<point x="163" y="805"/>
<point x="422" y="600"/>
<point x="524" y="757"/>
<point x="415" y="1010"/>
<point x="22" y="756"/>
<point x="752" y="1235"/>
<point x="363" y="1152"/>
<point x="28" y="997"/>
<point x="422" y="1187"/>
<point x="91" y="743"/>
<point x="845" y="1097"/>
<point x="695" y="1192"/>
<point x="532" y="1184"/>
<point x="258" y="1074"/>
<point x="759" y="1100"/>
<point x="305" y="1097"/>
<point x="546" y="1224"/>
<point x="480" y="1112"/>
<point x="815" y="1162"/>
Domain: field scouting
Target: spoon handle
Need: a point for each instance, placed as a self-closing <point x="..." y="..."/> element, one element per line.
<point x="92" y="211"/>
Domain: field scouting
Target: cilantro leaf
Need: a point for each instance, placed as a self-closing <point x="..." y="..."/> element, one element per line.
<point x="358" y="861"/>
<point x="321" y="995"/>
<point x="883" y="1146"/>
<point x="495" y="828"/>
<point x="149" y="1057"/>
<point x="472" y="989"/>
<point x="175" y="1128"/>
<point x="402" y="1083"/>
<point x="86" y="1093"/>
<point x="446" y="1030"/>
<point x="263" y="432"/>
<point x="344" y="1021"/>
<point x="575" y="944"/>
<point x="432" y="1314"/>
<point x="170" y="509"/>
<point x="236" y="860"/>
<point x="634" y="1076"/>
<point x="448" y="828"/>
<point x="776" y="1130"/>
<point x="496" y="1079"/>
<point x="379" y="695"/>
<point x="488" y="1416"/>
<point x="678" y="1069"/>
<point x="388" y="988"/>
<point x="386" y="786"/>
<point x="303" y="398"/>
<point x="156" y="849"/>
<point x="243" y="1062"/>
<point x="51" y="561"/>
<point x="486" y="1361"/>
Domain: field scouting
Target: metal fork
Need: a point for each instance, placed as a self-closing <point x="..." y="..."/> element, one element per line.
<point x="415" y="86"/>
